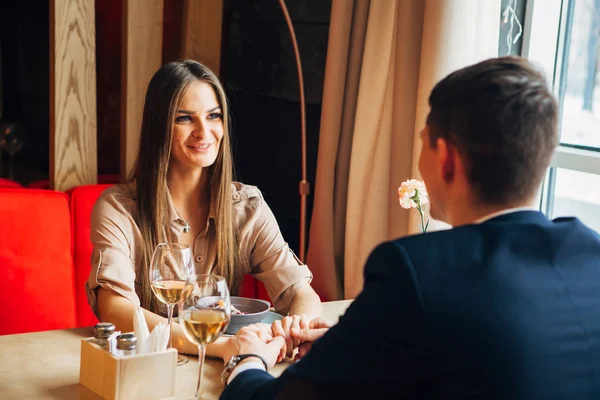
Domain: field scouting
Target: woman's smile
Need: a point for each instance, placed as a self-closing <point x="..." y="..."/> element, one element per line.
<point x="200" y="147"/>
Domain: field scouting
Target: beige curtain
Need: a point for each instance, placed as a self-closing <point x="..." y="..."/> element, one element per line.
<point x="383" y="59"/>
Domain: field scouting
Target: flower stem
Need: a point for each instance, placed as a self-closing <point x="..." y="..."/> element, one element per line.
<point x="423" y="229"/>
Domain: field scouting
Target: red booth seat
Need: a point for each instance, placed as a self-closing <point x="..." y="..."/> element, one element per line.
<point x="7" y="183"/>
<point x="36" y="262"/>
<point x="83" y="199"/>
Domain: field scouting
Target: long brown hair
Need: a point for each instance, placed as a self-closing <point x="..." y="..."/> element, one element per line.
<point x="165" y="93"/>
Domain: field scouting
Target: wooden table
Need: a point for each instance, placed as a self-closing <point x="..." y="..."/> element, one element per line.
<point x="45" y="365"/>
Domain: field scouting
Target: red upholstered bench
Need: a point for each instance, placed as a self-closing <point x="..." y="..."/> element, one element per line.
<point x="83" y="199"/>
<point x="7" y="183"/>
<point x="36" y="261"/>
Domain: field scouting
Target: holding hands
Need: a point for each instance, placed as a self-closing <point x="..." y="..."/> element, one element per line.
<point x="284" y="329"/>
<point x="278" y="340"/>
<point x="307" y="336"/>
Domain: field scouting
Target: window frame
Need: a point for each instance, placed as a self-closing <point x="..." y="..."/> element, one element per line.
<point x="546" y="22"/>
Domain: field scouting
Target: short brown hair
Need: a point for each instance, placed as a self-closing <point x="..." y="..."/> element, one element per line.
<point x="502" y="118"/>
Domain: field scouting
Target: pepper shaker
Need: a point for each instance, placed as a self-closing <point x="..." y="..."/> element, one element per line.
<point x="102" y="332"/>
<point x="126" y="344"/>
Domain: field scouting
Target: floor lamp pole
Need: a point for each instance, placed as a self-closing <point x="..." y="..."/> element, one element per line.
<point x="304" y="186"/>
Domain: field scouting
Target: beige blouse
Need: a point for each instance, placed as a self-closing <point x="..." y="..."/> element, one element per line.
<point x="263" y="252"/>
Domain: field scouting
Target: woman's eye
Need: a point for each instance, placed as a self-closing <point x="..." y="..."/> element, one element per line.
<point x="215" y="115"/>
<point x="183" y="118"/>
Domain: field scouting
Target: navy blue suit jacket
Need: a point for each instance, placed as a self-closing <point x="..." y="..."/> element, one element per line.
<point x="507" y="309"/>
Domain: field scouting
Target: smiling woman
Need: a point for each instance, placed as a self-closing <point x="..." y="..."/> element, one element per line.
<point x="182" y="191"/>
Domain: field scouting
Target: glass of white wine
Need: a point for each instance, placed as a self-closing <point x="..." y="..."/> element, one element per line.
<point x="204" y="314"/>
<point x="171" y="276"/>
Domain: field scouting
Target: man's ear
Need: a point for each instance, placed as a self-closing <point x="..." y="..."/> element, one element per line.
<point x="446" y="159"/>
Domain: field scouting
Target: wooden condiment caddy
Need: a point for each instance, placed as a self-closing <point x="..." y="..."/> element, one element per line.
<point x="143" y="376"/>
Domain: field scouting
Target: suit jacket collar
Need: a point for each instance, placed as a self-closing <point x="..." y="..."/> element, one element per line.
<point x="527" y="216"/>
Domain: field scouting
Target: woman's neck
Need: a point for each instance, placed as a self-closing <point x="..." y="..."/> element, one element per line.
<point x="188" y="186"/>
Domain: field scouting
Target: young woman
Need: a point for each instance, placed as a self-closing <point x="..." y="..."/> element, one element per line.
<point x="181" y="190"/>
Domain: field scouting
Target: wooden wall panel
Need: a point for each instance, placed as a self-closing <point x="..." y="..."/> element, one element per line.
<point x="142" y="56"/>
<point x="202" y="32"/>
<point x="73" y="159"/>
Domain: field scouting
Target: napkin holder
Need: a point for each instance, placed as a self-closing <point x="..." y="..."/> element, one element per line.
<point x="142" y="376"/>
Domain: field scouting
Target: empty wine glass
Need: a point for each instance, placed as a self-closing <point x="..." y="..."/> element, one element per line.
<point x="204" y="314"/>
<point x="171" y="270"/>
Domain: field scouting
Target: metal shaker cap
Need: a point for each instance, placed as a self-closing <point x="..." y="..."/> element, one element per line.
<point x="103" y="330"/>
<point x="126" y="341"/>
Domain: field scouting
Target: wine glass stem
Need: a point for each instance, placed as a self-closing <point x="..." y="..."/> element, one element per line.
<point x="201" y="354"/>
<point x="171" y="307"/>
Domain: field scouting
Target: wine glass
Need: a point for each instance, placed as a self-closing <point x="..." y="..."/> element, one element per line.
<point x="171" y="270"/>
<point x="204" y="314"/>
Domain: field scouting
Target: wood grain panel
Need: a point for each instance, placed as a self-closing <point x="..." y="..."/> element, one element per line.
<point x="202" y="32"/>
<point x="73" y="159"/>
<point x="142" y="56"/>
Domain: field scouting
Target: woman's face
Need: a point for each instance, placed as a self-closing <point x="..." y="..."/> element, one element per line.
<point x="198" y="127"/>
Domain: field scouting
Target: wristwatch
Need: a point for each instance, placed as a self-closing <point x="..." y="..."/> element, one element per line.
<point x="234" y="361"/>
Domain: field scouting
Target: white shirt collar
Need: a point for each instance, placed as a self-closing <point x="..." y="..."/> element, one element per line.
<point x="502" y="212"/>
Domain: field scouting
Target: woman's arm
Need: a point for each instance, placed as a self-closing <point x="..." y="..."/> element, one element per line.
<point x="285" y="277"/>
<point x="306" y="302"/>
<point x="305" y="306"/>
<point x="115" y="308"/>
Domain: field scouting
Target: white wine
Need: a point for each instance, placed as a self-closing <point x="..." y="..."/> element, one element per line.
<point x="203" y="326"/>
<point x="170" y="291"/>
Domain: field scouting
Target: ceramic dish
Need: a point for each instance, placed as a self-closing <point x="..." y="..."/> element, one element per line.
<point x="257" y="311"/>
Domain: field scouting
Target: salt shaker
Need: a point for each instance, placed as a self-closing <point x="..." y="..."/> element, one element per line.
<point x="102" y="331"/>
<point x="126" y="344"/>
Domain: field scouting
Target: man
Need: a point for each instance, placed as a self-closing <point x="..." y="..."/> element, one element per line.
<point x="505" y="305"/>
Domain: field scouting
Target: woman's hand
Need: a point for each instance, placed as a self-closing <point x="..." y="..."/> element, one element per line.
<point x="283" y="328"/>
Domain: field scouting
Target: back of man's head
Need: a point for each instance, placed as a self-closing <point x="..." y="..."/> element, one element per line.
<point x="502" y="118"/>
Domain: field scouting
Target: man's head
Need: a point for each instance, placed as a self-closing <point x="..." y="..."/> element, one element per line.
<point x="490" y="134"/>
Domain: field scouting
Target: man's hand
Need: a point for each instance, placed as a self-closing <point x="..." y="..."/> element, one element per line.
<point x="263" y="331"/>
<point x="250" y="340"/>
<point x="307" y="336"/>
<point x="283" y="328"/>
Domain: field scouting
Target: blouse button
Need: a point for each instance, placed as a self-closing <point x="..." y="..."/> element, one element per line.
<point x="199" y="258"/>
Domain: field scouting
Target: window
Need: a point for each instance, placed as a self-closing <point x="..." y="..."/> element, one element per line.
<point x="577" y="193"/>
<point x="562" y="37"/>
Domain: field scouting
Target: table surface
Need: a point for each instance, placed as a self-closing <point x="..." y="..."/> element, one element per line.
<point x="45" y="365"/>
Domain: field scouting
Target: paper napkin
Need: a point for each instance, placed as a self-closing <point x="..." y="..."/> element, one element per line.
<point x="149" y="342"/>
